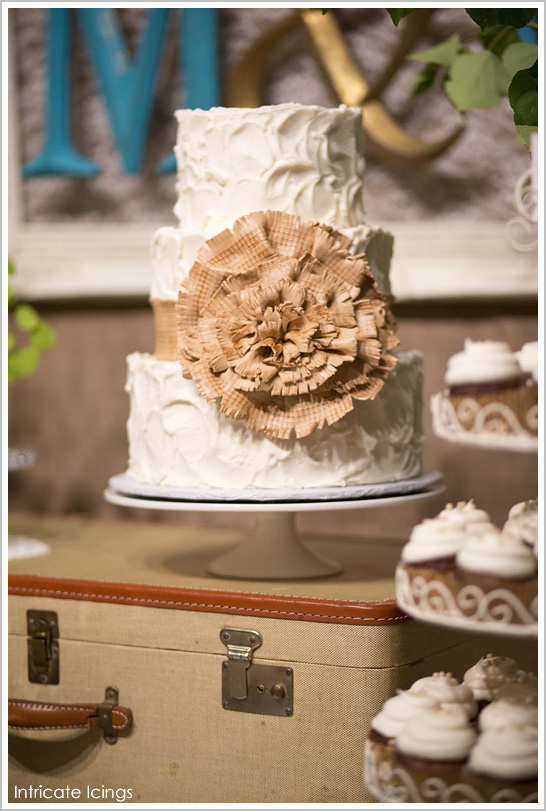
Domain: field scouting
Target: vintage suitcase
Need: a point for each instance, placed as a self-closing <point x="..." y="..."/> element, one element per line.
<point x="135" y="676"/>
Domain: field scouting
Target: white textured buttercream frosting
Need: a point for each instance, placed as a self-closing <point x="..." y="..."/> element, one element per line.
<point x="433" y="539"/>
<point x="174" y="250"/>
<point x="497" y="554"/>
<point x="400" y="709"/>
<point x="523" y="522"/>
<point x="507" y="754"/>
<point x="445" y="688"/>
<point x="303" y="160"/>
<point x="177" y="438"/>
<point x="503" y="714"/>
<point x="528" y="359"/>
<point x="481" y="362"/>
<point x="490" y="673"/>
<point x="442" y="733"/>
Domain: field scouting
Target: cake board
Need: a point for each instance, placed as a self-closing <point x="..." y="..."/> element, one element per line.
<point x="274" y="550"/>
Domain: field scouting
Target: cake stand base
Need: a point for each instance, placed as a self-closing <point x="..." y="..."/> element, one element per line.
<point x="274" y="551"/>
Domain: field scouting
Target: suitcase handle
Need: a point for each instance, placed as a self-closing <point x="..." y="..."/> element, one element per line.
<point x="39" y="715"/>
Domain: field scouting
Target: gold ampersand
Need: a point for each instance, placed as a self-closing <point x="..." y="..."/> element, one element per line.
<point x="328" y="46"/>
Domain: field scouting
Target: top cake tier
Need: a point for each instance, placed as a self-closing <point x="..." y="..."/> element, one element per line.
<point x="304" y="160"/>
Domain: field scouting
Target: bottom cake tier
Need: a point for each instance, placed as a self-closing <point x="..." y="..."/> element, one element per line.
<point x="177" y="438"/>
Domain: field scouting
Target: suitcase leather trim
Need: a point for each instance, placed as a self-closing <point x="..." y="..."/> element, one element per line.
<point x="306" y="609"/>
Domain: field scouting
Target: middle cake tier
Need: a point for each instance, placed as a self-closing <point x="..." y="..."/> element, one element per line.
<point x="177" y="438"/>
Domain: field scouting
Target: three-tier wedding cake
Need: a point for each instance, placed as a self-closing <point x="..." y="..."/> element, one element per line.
<point x="273" y="363"/>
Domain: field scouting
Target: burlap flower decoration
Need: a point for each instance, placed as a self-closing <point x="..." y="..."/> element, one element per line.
<point x="282" y="324"/>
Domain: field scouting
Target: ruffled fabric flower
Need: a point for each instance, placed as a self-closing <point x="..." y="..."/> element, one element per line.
<point x="281" y="324"/>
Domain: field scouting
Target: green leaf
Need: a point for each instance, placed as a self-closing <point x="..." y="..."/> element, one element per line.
<point x="524" y="134"/>
<point x="398" y="14"/>
<point x="519" y="56"/>
<point x="523" y="97"/>
<point x="23" y="362"/>
<point x="44" y="336"/>
<point x="488" y="17"/>
<point x="442" y="54"/>
<point x="476" y="80"/>
<point x="11" y="341"/>
<point x="11" y="267"/>
<point x="11" y="297"/>
<point x="424" y="80"/>
<point x="498" y="38"/>
<point x="26" y="317"/>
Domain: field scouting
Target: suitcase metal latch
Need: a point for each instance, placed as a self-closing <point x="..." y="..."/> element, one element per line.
<point x="43" y="647"/>
<point x="249" y="687"/>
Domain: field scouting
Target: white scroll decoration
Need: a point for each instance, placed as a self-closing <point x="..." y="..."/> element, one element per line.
<point x="389" y="782"/>
<point x="429" y="598"/>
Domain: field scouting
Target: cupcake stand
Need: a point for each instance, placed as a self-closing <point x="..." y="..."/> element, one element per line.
<point x="274" y="550"/>
<point x="496" y="612"/>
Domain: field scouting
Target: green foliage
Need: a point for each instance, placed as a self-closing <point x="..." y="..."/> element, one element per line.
<point x="398" y="14"/>
<point x="480" y="78"/>
<point x="24" y="360"/>
<point x="519" y="56"/>
<point x="442" y="54"/>
<point x="523" y="96"/>
<point x="524" y="134"/>
<point x="498" y="38"/>
<point x="476" y="80"/>
<point x="424" y="80"/>
<point x="488" y="17"/>
<point x="26" y="317"/>
<point x="43" y="337"/>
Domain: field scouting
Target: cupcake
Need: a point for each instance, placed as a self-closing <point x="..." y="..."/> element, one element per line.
<point x="473" y="577"/>
<point x="522" y="523"/>
<point x="487" y="676"/>
<point x="503" y="765"/>
<point x="388" y="723"/>
<point x="440" y="752"/>
<point x="489" y="392"/>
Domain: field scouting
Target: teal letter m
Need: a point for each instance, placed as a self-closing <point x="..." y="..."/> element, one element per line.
<point x="127" y="85"/>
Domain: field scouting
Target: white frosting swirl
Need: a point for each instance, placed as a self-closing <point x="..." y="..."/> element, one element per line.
<point x="482" y="361"/>
<point x="506" y="754"/>
<point x="496" y="554"/>
<point x="524" y="687"/>
<point x="490" y="673"/>
<point x="522" y="522"/>
<point x="177" y="438"/>
<point x="304" y="160"/>
<point x="400" y="709"/>
<point x="528" y="358"/>
<point x="442" y="733"/>
<point x="445" y="688"/>
<point x="433" y="539"/>
<point x="466" y="515"/>
<point x="503" y="714"/>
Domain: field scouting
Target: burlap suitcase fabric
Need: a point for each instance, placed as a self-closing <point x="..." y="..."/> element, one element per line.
<point x="183" y="746"/>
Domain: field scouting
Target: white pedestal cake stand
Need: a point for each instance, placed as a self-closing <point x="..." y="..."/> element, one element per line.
<point x="274" y="550"/>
